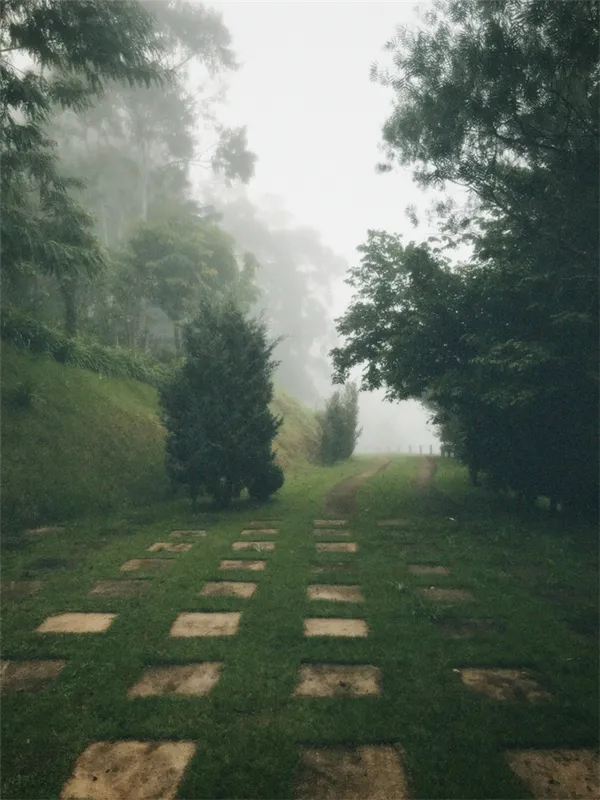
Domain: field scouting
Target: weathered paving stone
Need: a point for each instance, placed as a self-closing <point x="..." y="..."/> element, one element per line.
<point x="129" y="770"/>
<point x="206" y="624"/>
<point x="29" y="676"/>
<point x="445" y="595"/>
<point x="252" y="566"/>
<point x="466" y="628"/>
<point x="42" y="531"/>
<point x="228" y="589"/>
<point x="334" y="773"/>
<point x="260" y="546"/>
<point x="336" y="547"/>
<point x="146" y="564"/>
<point x="342" y="593"/>
<point x="184" y="679"/>
<point x="330" y="532"/>
<point x="428" y="569"/>
<point x="504" y="684"/>
<point x="263" y="523"/>
<point x="14" y="590"/>
<point x="391" y="523"/>
<point x="558" y="774"/>
<point x="187" y="534"/>
<point x="333" y="566"/>
<point x="330" y="523"/>
<point x="332" y="680"/>
<point x="329" y="626"/>
<point x="120" y="588"/>
<point x="169" y="547"/>
<point x="76" y="623"/>
<point x="261" y="531"/>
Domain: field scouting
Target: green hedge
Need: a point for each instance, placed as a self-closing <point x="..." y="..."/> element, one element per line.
<point x="28" y="334"/>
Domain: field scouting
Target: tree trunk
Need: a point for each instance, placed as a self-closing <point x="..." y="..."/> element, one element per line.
<point x="68" y="290"/>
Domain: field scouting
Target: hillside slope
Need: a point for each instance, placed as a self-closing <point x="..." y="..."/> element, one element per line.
<point x="74" y="442"/>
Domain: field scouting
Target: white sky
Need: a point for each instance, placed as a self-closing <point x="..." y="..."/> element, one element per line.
<point x="314" y="119"/>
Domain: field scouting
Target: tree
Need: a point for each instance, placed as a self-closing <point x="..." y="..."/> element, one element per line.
<point x="216" y="408"/>
<point x="339" y="425"/>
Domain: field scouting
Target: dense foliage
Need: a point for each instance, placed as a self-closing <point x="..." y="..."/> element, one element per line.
<point x="216" y="408"/>
<point x="339" y="425"/>
<point x="500" y="97"/>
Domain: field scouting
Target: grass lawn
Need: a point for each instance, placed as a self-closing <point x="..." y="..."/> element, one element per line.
<point x="533" y="576"/>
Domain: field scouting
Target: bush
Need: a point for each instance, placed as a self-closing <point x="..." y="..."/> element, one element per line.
<point x="266" y="482"/>
<point x="339" y="425"/>
<point x="216" y="407"/>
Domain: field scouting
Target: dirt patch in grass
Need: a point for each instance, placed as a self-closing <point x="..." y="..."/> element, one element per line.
<point x="228" y="589"/>
<point x="196" y="679"/>
<point x="129" y="770"/>
<point x="253" y="546"/>
<point x="428" y="569"/>
<point x="28" y="676"/>
<point x="333" y="523"/>
<point x="261" y="531"/>
<point x="345" y="594"/>
<point x="332" y="680"/>
<point x="146" y="564"/>
<point x="341" y="499"/>
<point x="169" y="547"/>
<point x="14" y="590"/>
<point x="120" y="588"/>
<point x="558" y="774"/>
<point x="336" y="547"/>
<point x="330" y="532"/>
<point x="187" y="534"/>
<point x="209" y="624"/>
<point x="504" y="684"/>
<point x="466" y="628"/>
<point x="251" y="566"/>
<point x="76" y="623"/>
<point x="335" y="773"/>
<point x="333" y="566"/>
<point x="426" y="471"/>
<point x="50" y="564"/>
<point x="445" y="595"/>
<point x="330" y="626"/>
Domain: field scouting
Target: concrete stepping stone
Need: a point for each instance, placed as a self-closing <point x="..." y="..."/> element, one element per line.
<point x="558" y="774"/>
<point x="146" y="564"/>
<point x="333" y="680"/>
<point x="196" y="679"/>
<point x="391" y="523"/>
<point x="336" y="547"/>
<point x="263" y="523"/>
<point x="187" y="534"/>
<point x="342" y="593"/>
<point x="330" y="532"/>
<point x="334" y="773"/>
<point x="44" y="529"/>
<point x="169" y="547"/>
<point x="466" y="628"/>
<point x="120" y="588"/>
<point x="330" y="626"/>
<point x="206" y="624"/>
<point x="75" y="622"/>
<point x="333" y="566"/>
<point x="260" y="546"/>
<point x="14" y="590"/>
<point x="504" y="684"/>
<point x="252" y="566"/>
<point x="129" y="770"/>
<point x="228" y="589"/>
<point x="445" y="595"/>
<point x="261" y="531"/>
<point x="29" y="676"/>
<point x="330" y="523"/>
<point x="428" y="569"/>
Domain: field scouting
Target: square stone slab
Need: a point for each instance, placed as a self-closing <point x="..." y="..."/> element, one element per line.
<point x="330" y="523"/>
<point x="129" y="770"/>
<point x="28" y="676"/>
<point x="13" y="590"/>
<point x="263" y="523"/>
<point x="504" y="684"/>
<point x="181" y="679"/>
<point x="76" y="623"/>
<point x="169" y="547"/>
<point x="146" y="564"/>
<point x="391" y="523"/>
<point x="558" y="774"/>
<point x="187" y="534"/>
<point x="345" y="594"/>
<point x="120" y="588"/>
<point x="332" y="680"/>
<point x="260" y="546"/>
<point x="330" y="532"/>
<point x="446" y="595"/>
<point x="228" y="589"/>
<point x="334" y="773"/>
<point x="428" y="569"/>
<point x="252" y="566"/>
<point x="336" y="547"/>
<point x="330" y="626"/>
<point x="206" y="624"/>
<point x="262" y="531"/>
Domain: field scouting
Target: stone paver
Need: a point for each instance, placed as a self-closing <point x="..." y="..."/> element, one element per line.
<point x="333" y="680"/>
<point x="13" y="590"/>
<point x="228" y="589"/>
<point x="261" y="531"/>
<point x="186" y="679"/>
<point x="44" y="529"/>
<point x="206" y="624"/>
<point x="252" y="566"/>
<point x="504" y="684"/>
<point x="75" y="622"/>
<point x="331" y="532"/>
<point x="330" y="523"/>
<point x="146" y="564"/>
<point x="445" y="595"/>
<point x="263" y="523"/>
<point x="428" y="569"/>
<point x="129" y="770"/>
<point x="260" y="546"/>
<point x="330" y="626"/>
<point x="29" y="676"/>
<point x="466" y="628"/>
<point x="558" y="774"/>
<point x="343" y="593"/>
<point x="122" y="588"/>
<point x="336" y="547"/>
<point x="170" y="547"/>
<point x="187" y="534"/>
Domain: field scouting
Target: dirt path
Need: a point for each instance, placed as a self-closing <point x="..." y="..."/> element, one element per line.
<point x="425" y="473"/>
<point x="341" y="500"/>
